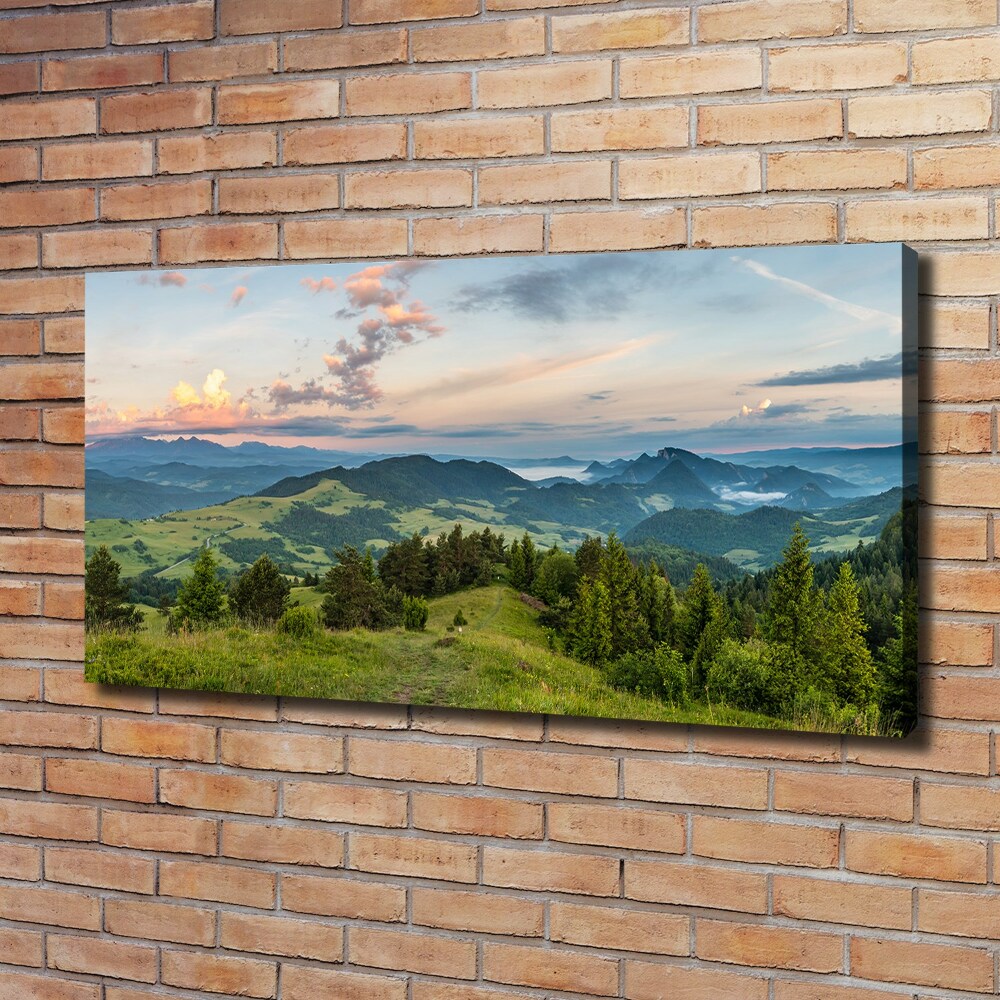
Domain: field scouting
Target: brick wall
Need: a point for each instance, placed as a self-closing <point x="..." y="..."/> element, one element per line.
<point x="187" y="845"/>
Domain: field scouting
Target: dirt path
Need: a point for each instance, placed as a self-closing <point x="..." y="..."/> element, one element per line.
<point x="487" y="619"/>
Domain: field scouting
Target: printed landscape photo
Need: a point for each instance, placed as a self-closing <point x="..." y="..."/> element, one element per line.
<point x="672" y="485"/>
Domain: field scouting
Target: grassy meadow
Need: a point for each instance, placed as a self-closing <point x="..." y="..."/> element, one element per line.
<point x="500" y="661"/>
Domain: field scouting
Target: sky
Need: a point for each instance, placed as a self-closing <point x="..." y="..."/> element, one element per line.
<point x="587" y="355"/>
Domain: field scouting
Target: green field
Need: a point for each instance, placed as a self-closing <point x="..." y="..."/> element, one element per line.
<point x="172" y="540"/>
<point x="501" y="661"/>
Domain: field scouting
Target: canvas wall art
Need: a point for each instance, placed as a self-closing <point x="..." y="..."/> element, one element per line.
<point x="671" y="486"/>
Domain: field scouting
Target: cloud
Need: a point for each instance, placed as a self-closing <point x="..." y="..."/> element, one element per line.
<point x="599" y="397"/>
<point x="165" y="279"/>
<point x="282" y="394"/>
<point x="184" y="409"/>
<point x="239" y="294"/>
<point x="761" y="407"/>
<point x="326" y="284"/>
<point x="865" y="314"/>
<point x="868" y="370"/>
<point x="598" y="285"/>
<point x="526" y="369"/>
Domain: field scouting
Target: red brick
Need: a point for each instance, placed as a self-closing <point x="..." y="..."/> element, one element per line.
<point x="157" y="111"/>
<point x="217" y="883"/>
<point x="380" y="11"/>
<point x="156" y="201"/>
<point x="18" y="163"/>
<point x="620" y="929"/>
<point x="626" y="30"/>
<point x="951" y="859"/>
<point x="282" y="844"/>
<point x="274" y="102"/>
<point x="411" y="761"/>
<point x="839" y="902"/>
<point x="47" y="820"/>
<point x="67" y="686"/>
<point x="48" y="729"/>
<point x="223" y="241"/>
<point x="223" y="62"/>
<point x="341" y="803"/>
<point x="160" y="922"/>
<point x="18" y="423"/>
<point x="692" y="784"/>
<point x="281" y="936"/>
<point x="218" y="704"/>
<point x="226" y="151"/>
<point x="349" y="898"/>
<point x="47" y="208"/>
<point x="102" y="869"/>
<point x="30" y="987"/>
<point x="98" y="247"/>
<point x="345" y="143"/>
<point x="766" y="843"/>
<point x="20" y="861"/>
<point x="336" y="51"/>
<point x="477" y="235"/>
<point x="63" y="426"/>
<point x="411" y="952"/>
<point x="20" y="336"/>
<point x="647" y="981"/>
<point x="966" y="914"/>
<point x="49" y="32"/>
<point x="254" y="17"/>
<point x="374" y="236"/>
<point x="18" y="251"/>
<point x="418" y="857"/>
<point x="544" y="771"/>
<point x="469" y="138"/>
<point x="408" y="93"/>
<point x="545" y="84"/>
<point x="19" y="597"/>
<point x="306" y="983"/>
<point x="99" y="779"/>
<point x="696" y="884"/>
<point x="21" y="510"/>
<point x="175" y="22"/>
<point x="922" y="963"/>
<point x="174" y="740"/>
<point x="759" y="19"/>
<point x="243" y="977"/>
<point x="485" y="817"/>
<point x="619" y="128"/>
<point x="550" y="968"/>
<point x="479" y="912"/>
<point x="843" y="795"/>
<point x="64" y="335"/>
<point x="138" y="69"/>
<point x="37" y="906"/>
<point x="486" y="40"/>
<point x="283" y="752"/>
<point x="157" y="831"/>
<point x="19" y="78"/>
<point x="70" y="161"/>
<point x="20" y="772"/>
<point x="550" y="871"/>
<point x="47" y="118"/>
<point x="40" y="295"/>
<point x="43" y="467"/>
<point x="218" y="792"/>
<point x="768" y="947"/>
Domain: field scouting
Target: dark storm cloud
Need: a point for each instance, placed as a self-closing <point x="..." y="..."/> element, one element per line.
<point x="869" y="370"/>
<point x="601" y="285"/>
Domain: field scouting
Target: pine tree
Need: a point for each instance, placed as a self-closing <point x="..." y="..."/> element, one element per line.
<point x="260" y="595"/>
<point x="589" y="556"/>
<point x="794" y="610"/>
<point x="629" y="628"/>
<point x="700" y="605"/>
<point x="590" y="626"/>
<point x="659" y="604"/>
<point x="201" y="598"/>
<point x="106" y="597"/>
<point x="530" y="553"/>
<point x="849" y="662"/>
<point x="897" y="683"/>
<point x="516" y="573"/>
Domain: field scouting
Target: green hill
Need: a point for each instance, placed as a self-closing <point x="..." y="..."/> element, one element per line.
<point x="500" y="661"/>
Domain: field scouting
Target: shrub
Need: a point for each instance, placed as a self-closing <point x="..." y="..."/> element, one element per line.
<point x="658" y="673"/>
<point x="415" y="612"/>
<point x="459" y="620"/>
<point x="750" y="676"/>
<point x="300" y="623"/>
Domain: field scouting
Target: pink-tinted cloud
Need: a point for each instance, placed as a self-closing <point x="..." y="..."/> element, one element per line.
<point x="165" y="279"/>
<point x="239" y="294"/>
<point x="326" y="284"/>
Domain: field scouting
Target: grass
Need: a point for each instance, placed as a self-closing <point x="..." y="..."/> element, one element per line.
<point x="500" y="661"/>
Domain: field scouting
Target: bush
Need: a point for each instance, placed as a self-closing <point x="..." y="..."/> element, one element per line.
<point x="459" y="620"/>
<point x="658" y="673"/>
<point x="300" y="623"/>
<point x="415" y="612"/>
<point x="749" y="676"/>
